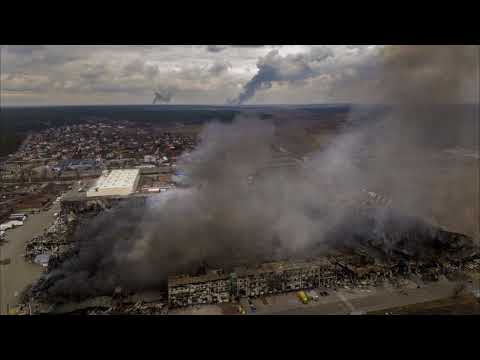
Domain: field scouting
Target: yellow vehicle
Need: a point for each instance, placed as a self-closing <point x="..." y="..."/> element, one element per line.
<point x="241" y="310"/>
<point x="14" y="311"/>
<point x="303" y="297"/>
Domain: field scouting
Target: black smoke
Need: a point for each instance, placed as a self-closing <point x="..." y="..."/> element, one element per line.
<point x="162" y="96"/>
<point x="276" y="68"/>
<point x="224" y="220"/>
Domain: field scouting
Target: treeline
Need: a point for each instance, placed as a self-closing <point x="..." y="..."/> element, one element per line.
<point x="9" y="143"/>
<point x="15" y="123"/>
<point x="35" y="118"/>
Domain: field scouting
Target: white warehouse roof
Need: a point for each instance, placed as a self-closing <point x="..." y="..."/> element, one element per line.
<point x="117" y="182"/>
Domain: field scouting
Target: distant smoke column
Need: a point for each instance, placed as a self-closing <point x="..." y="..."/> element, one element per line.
<point x="274" y="68"/>
<point x="162" y="97"/>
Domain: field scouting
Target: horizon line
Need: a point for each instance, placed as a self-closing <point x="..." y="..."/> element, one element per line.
<point x="222" y="105"/>
<point x="182" y="104"/>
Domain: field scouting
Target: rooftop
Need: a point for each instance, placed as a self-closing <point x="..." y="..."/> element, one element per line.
<point x="244" y="271"/>
<point x="118" y="179"/>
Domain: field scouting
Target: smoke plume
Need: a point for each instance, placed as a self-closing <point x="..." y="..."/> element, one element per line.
<point x="162" y="96"/>
<point x="397" y="150"/>
<point x="431" y="94"/>
<point x="275" y="68"/>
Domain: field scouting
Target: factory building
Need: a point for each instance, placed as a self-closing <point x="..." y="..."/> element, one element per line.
<point x="116" y="183"/>
<point x="269" y="278"/>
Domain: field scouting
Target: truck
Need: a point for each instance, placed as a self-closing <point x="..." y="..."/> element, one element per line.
<point x="303" y="297"/>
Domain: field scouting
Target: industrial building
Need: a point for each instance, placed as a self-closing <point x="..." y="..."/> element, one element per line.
<point x="279" y="277"/>
<point x="116" y="183"/>
<point x="214" y="287"/>
<point x="269" y="278"/>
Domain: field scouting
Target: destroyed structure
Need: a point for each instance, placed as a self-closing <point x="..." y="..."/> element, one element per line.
<point x="275" y="278"/>
<point x="372" y="260"/>
<point x="360" y="260"/>
<point x="367" y="260"/>
<point x="269" y="278"/>
<point x="54" y="245"/>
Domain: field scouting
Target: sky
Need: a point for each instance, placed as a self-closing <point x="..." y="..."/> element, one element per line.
<point x="182" y="74"/>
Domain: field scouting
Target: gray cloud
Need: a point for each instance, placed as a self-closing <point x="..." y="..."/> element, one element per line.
<point x="216" y="48"/>
<point x="220" y="48"/>
<point x="94" y="74"/>
<point x="139" y="68"/>
<point x="219" y="67"/>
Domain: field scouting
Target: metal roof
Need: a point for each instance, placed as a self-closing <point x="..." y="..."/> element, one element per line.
<point x="118" y="179"/>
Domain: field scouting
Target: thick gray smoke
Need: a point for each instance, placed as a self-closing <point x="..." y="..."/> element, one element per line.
<point x="398" y="151"/>
<point x="419" y="152"/>
<point x="162" y="96"/>
<point x="275" y="68"/>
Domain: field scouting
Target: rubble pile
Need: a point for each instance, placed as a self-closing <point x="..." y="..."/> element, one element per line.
<point x="375" y="248"/>
<point x="398" y="247"/>
<point x="133" y="304"/>
<point x="52" y="246"/>
<point x="138" y="308"/>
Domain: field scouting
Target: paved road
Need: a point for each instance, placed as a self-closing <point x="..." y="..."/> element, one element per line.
<point x="15" y="276"/>
<point x="340" y="302"/>
<point x="347" y="302"/>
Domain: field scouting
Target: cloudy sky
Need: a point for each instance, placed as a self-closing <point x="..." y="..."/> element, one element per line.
<point x="181" y="74"/>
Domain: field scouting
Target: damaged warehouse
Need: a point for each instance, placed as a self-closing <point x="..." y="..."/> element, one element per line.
<point x="372" y="262"/>
<point x="268" y="278"/>
<point x="370" y="254"/>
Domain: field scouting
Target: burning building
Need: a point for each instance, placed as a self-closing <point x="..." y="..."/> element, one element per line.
<point x="267" y="279"/>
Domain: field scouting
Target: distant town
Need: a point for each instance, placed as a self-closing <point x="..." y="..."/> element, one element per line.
<point x="48" y="160"/>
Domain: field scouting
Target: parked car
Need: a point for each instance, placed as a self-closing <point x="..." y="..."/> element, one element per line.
<point x="313" y="295"/>
<point x="253" y="308"/>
